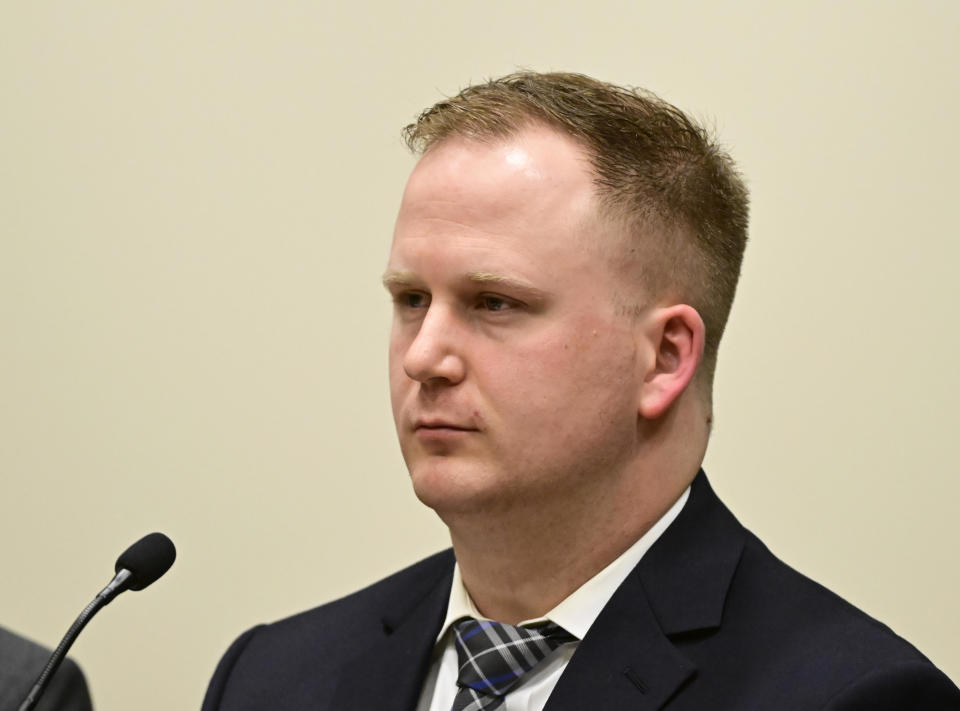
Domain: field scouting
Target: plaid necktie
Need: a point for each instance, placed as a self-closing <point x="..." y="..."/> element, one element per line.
<point x="493" y="656"/>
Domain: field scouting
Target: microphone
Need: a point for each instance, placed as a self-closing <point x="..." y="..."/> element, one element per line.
<point x="136" y="568"/>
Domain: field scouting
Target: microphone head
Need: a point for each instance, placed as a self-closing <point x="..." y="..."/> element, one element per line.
<point x="147" y="560"/>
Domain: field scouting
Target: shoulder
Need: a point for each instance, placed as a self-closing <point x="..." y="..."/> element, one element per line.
<point x="800" y="636"/>
<point x="898" y="685"/>
<point x="761" y="634"/>
<point x="315" y="643"/>
<point x="340" y="621"/>
<point x="801" y="613"/>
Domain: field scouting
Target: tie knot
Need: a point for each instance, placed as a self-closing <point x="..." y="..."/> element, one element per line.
<point x="494" y="656"/>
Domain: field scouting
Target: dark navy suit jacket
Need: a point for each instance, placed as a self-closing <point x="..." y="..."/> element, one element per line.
<point x="708" y="620"/>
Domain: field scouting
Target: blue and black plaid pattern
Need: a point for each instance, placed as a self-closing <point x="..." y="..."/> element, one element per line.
<point x="493" y="656"/>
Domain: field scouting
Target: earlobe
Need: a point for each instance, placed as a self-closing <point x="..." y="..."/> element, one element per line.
<point x="676" y="335"/>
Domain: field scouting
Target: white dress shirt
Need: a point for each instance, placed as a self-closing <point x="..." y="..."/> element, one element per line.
<point x="576" y="613"/>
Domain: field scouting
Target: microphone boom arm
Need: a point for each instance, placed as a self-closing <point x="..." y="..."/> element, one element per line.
<point x="115" y="587"/>
<point x="136" y="568"/>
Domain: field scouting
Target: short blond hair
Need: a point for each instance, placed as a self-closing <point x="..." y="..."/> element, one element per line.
<point x="657" y="170"/>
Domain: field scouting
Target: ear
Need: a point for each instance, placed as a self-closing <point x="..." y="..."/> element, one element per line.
<point x="675" y="335"/>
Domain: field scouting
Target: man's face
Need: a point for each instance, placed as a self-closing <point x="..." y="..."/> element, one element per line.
<point x="513" y="373"/>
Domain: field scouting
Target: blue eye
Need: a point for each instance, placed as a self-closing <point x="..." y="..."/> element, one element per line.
<point x="412" y="299"/>
<point x="496" y="303"/>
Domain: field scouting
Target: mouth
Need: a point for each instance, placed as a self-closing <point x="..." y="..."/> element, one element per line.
<point x="436" y="427"/>
<point x="441" y="426"/>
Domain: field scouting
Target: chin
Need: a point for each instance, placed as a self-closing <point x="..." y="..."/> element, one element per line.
<point x="450" y="487"/>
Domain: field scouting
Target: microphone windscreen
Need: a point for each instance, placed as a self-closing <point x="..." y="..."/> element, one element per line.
<point x="147" y="560"/>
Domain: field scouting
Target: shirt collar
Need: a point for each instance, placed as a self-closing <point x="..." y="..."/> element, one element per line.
<point x="577" y="612"/>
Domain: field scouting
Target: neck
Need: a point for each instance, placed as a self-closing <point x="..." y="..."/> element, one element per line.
<point x="520" y="562"/>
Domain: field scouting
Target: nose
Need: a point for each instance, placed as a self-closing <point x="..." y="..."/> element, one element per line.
<point x="433" y="356"/>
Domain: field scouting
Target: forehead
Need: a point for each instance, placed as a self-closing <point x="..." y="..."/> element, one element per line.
<point x="517" y="210"/>
<point x="535" y="178"/>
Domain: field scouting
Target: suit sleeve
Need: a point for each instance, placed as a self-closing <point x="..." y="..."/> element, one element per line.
<point x="913" y="685"/>
<point x="221" y="677"/>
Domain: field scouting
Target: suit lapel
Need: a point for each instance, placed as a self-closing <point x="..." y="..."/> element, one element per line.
<point x="625" y="661"/>
<point x="389" y="674"/>
<point x="628" y="659"/>
<point x="686" y="574"/>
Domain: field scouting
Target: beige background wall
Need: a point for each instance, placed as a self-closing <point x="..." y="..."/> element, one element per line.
<point x="196" y="200"/>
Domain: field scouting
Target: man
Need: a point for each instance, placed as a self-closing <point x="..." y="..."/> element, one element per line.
<point x="21" y="662"/>
<point x="564" y="261"/>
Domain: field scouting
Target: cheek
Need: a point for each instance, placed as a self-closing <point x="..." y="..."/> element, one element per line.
<point x="574" y="371"/>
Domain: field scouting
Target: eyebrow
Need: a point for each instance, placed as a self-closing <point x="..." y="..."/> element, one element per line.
<point x="501" y="280"/>
<point x="394" y="278"/>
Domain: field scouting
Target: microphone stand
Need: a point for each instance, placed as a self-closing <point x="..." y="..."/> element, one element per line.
<point x="115" y="587"/>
